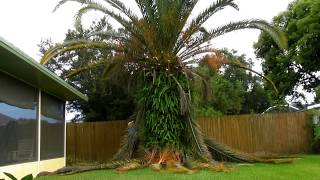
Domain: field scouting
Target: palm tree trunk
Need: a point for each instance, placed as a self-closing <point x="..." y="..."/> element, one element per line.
<point x="164" y="125"/>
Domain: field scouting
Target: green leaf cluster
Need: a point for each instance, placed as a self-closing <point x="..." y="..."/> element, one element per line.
<point x="163" y="126"/>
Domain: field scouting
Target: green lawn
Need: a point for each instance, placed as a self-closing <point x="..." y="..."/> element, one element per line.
<point x="306" y="168"/>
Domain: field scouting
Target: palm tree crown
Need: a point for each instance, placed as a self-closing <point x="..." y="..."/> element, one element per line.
<point x="164" y="34"/>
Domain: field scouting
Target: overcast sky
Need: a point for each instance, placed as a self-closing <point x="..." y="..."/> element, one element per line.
<point x="25" y="23"/>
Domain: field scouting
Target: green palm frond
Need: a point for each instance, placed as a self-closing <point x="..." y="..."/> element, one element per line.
<point x="75" y="45"/>
<point x="212" y="9"/>
<point x="96" y="6"/>
<point x="205" y="37"/>
<point x="200" y="19"/>
<point x="108" y="34"/>
<point x="275" y="33"/>
<point x="186" y="55"/>
<point x="99" y="7"/>
<point x="207" y="13"/>
<point x="87" y="67"/>
<point x="122" y="8"/>
<point x="62" y="2"/>
<point x="148" y="10"/>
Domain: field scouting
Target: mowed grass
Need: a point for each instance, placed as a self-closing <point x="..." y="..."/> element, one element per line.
<point x="306" y="168"/>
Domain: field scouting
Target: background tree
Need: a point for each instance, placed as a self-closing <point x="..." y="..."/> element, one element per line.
<point x="233" y="90"/>
<point x="158" y="47"/>
<point x="109" y="99"/>
<point x="300" y="64"/>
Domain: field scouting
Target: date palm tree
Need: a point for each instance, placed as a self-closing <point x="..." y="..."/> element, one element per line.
<point x="159" y="46"/>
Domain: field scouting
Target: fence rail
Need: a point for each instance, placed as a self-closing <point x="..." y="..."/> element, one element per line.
<point x="279" y="133"/>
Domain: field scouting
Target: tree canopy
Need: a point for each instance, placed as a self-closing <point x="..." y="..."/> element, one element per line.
<point x="299" y="65"/>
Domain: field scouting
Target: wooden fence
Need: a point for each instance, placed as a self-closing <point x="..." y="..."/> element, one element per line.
<point x="284" y="133"/>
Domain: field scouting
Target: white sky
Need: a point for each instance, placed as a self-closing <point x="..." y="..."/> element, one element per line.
<point x="25" y="23"/>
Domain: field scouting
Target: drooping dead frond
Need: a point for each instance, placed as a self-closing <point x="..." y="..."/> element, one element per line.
<point x="205" y="87"/>
<point x="199" y="148"/>
<point x="130" y="166"/>
<point x="224" y="153"/>
<point x="221" y="152"/>
<point x="215" y="167"/>
<point x="129" y="144"/>
<point x="184" y="100"/>
<point x="111" y="165"/>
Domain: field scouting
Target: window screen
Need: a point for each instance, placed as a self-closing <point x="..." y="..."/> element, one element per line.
<point x="18" y="121"/>
<point x="52" y="127"/>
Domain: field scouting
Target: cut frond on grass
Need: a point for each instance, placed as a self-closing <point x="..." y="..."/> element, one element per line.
<point x="224" y="153"/>
<point x="111" y="165"/>
<point x="221" y="152"/>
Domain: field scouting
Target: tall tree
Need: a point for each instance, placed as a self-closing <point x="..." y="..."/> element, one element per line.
<point x="300" y="64"/>
<point x="158" y="47"/>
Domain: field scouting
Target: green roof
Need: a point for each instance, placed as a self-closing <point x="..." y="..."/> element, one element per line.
<point x="21" y="66"/>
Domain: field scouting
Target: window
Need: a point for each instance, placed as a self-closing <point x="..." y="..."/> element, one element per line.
<point x="52" y="127"/>
<point x="18" y="121"/>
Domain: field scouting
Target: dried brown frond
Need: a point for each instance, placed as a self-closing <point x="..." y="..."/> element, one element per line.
<point x="130" y="166"/>
<point x="216" y="167"/>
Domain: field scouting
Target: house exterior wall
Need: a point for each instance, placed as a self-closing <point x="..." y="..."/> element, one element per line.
<point x="34" y="168"/>
<point x="32" y="129"/>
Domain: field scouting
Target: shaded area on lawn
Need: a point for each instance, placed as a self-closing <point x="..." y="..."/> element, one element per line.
<point x="306" y="168"/>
